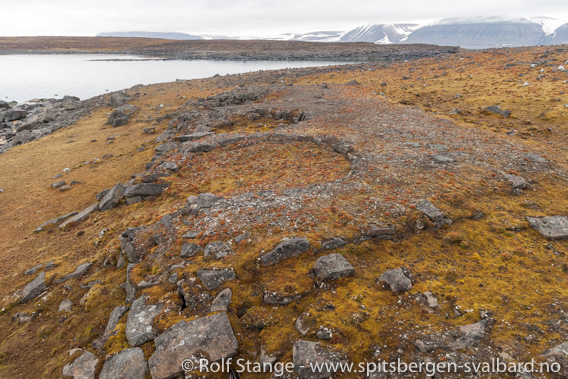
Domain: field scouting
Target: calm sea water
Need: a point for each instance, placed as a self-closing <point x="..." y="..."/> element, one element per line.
<point x="25" y="77"/>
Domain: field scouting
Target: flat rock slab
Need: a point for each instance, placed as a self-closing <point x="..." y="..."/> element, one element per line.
<point x="81" y="215"/>
<point x="211" y="335"/>
<point x="559" y="350"/>
<point x="34" y="288"/>
<point x="79" y="271"/>
<point x="397" y="280"/>
<point x="217" y="250"/>
<point x="55" y="221"/>
<point x="333" y="266"/>
<point x="189" y="249"/>
<point x="516" y="181"/>
<point x="284" y="250"/>
<point x="113" y="319"/>
<point x="433" y="213"/>
<point x="332" y="244"/>
<point x="306" y="355"/>
<point x="145" y="189"/>
<point x="139" y="327"/>
<point x="212" y="279"/>
<point x="222" y="301"/>
<point x="112" y="197"/>
<point x="552" y="227"/>
<point x="82" y="367"/>
<point x="129" y="363"/>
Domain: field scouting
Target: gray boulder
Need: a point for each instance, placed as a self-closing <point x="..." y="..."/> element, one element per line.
<point x="113" y="319"/>
<point x="118" y="99"/>
<point x="15" y="114"/>
<point x="212" y="336"/>
<point x="79" y="271"/>
<point x="307" y="355"/>
<point x="497" y="110"/>
<point x="333" y="266"/>
<point x="189" y="249"/>
<point x="65" y="306"/>
<point x="332" y="244"/>
<point x="558" y="350"/>
<point x="516" y="181"/>
<point x="145" y="189"/>
<point x="398" y="280"/>
<point x="217" y="250"/>
<point x="55" y="221"/>
<point x="4" y="106"/>
<point x="81" y="215"/>
<point x="112" y="198"/>
<point x="82" y="367"/>
<point x="128" y="364"/>
<point x="139" y="327"/>
<point x="33" y="289"/>
<point x="222" y="301"/>
<point x="213" y="279"/>
<point x="284" y="250"/>
<point x="433" y="213"/>
<point x="552" y="227"/>
<point x="22" y="137"/>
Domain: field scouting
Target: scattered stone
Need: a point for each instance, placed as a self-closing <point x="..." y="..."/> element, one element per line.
<point x="147" y="284"/>
<point x="212" y="279"/>
<point x="64" y="188"/>
<point x="24" y="317"/>
<point x="377" y="231"/>
<point x="332" y="244"/>
<point x="139" y="327"/>
<point x="303" y="324"/>
<point x="516" y="181"/>
<point x="33" y="289"/>
<point x="222" y="301"/>
<point x="430" y="299"/>
<point x="240" y="238"/>
<point x="145" y="189"/>
<point x="397" y="280"/>
<point x="112" y="198"/>
<point x="102" y="194"/>
<point x="333" y="266"/>
<point x="433" y="213"/>
<point x="129" y="363"/>
<point x="324" y="333"/>
<point x="275" y="298"/>
<point x="471" y="335"/>
<point x="211" y="335"/>
<point x="497" y="110"/>
<point x="170" y="166"/>
<point x="202" y="201"/>
<point x="442" y="158"/>
<point x="194" y="296"/>
<point x="192" y="234"/>
<point x="535" y="158"/>
<point x="559" y="350"/>
<point x="81" y="215"/>
<point x="552" y="227"/>
<point x="217" y="250"/>
<point x="284" y="250"/>
<point x="113" y="319"/>
<point x="48" y="266"/>
<point x="79" y="271"/>
<point x="190" y="249"/>
<point x="65" y="306"/>
<point x="82" y="367"/>
<point x="308" y="356"/>
<point x="57" y="184"/>
<point x="15" y="114"/>
<point x="118" y="99"/>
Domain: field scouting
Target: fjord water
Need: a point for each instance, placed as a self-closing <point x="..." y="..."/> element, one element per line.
<point x="29" y="76"/>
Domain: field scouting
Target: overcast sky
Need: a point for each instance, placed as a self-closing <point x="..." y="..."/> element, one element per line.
<point x="245" y="17"/>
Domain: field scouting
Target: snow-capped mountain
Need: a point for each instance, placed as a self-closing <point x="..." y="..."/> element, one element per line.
<point x="380" y="33"/>
<point x="164" y="35"/>
<point x="558" y="37"/>
<point x="480" y="33"/>
<point x="322" y="36"/>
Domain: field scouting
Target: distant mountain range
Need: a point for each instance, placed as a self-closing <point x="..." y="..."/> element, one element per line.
<point x="469" y="33"/>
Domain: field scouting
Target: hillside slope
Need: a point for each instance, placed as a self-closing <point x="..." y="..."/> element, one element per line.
<point x="364" y="212"/>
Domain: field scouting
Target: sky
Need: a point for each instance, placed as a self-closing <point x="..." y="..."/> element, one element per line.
<point x="261" y="18"/>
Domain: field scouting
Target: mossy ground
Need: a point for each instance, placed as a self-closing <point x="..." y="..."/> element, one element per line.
<point x="487" y="260"/>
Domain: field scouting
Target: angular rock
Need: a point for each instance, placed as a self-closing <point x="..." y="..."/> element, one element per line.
<point x="118" y="99"/>
<point x="217" y="250"/>
<point x="303" y="324"/>
<point x="308" y="355"/>
<point x="128" y="364"/>
<point x="190" y="249"/>
<point x="212" y="279"/>
<point x="170" y="166"/>
<point x="139" y="327"/>
<point x="442" y="158"/>
<point x="113" y="319"/>
<point x="81" y="215"/>
<point x="55" y="221"/>
<point x="65" y="306"/>
<point x="332" y="244"/>
<point x="212" y="336"/>
<point x="57" y="184"/>
<point x="497" y="110"/>
<point x="79" y="271"/>
<point x="129" y="288"/>
<point x="194" y="296"/>
<point x="377" y="231"/>
<point x="551" y="227"/>
<point x="430" y="299"/>
<point x="516" y="181"/>
<point x="222" y="301"/>
<point x="433" y="213"/>
<point x="284" y="250"/>
<point x="33" y="289"/>
<point x="333" y="266"/>
<point x="471" y="334"/>
<point x="275" y="298"/>
<point x="398" y="280"/>
<point x="82" y="367"/>
<point x="112" y="197"/>
<point x="145" y="189"/>
<point x="558" y="350"/>
<point x="15" y="114"/>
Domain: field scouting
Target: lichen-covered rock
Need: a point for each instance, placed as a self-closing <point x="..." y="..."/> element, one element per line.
<point x="81" y="215"/>
<point x="397" y="280"/>
<point x="333" y="266"/>
<point x="113" y="319"/>
<point x="217" y="250"/>
<point x="212" y="336"/>
<point x="139" y="327"/>
<point x="129" y="363"/>
<point x="34" y="288"/>
<point x="552" y="227"/>
<point x="82" y="367"/>
<point x="307" y="356"/>
<point x="190" y="249"/>
<point x="332" y="244"/>
<point x="79" y="271"/>
<point x="145" y="189"/>
<point x="284" y="250"/>
<point x="112" y="198"/>
<point x="212" y="279"/>
<point x="222" y="301"/>
<point x="433" y="213"/>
